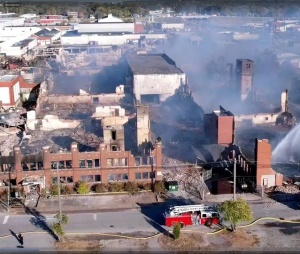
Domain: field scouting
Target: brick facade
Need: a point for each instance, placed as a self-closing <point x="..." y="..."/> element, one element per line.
<point x="265" y="175"/>
<point x="219" y="127"/>
<point x="100" y="166"/>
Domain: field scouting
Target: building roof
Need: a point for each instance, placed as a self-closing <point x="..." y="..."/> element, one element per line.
<point x="7" y="78"/>
<point x="152" y="64"/>
<point x="110" y="19"/>
<point x="77" y="34"/>
<point x="22" y="43"/>
<point x="169" y="20"/>
<point x="222" y="112"/>
<point x="46" y="33"/>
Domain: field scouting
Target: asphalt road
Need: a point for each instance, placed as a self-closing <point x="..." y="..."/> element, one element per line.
<point x="148" y="220"/>
<point x="126" y="221"/>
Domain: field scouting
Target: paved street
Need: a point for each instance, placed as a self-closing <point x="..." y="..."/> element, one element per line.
<point x="126" y="221"/>
<point x="133" y="220"/>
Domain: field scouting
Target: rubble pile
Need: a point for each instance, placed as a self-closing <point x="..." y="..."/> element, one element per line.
<point x="167" y="161"/>
<point x="289" y="189"/>
<point x="61" y="139"/>
<point x="7" y="144"/>
<point x="189" y="179"/>
<point x="182" y="108"/>
<point x="68" y="110"/>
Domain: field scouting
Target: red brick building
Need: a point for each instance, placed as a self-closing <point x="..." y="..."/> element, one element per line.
<point x="139" y="28"/>
<point x="101" y="166"/>
<point x="265" y="175"/>
<point x="219" y="127"/>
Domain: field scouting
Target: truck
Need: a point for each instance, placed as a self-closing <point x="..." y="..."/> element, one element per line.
<point x="192" y="215"/>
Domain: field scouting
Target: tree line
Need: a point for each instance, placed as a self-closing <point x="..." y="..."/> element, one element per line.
<point x="129" y="8"/>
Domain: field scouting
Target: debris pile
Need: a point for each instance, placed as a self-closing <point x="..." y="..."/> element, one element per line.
<point x="182" y="109"/>
<point x="7" y="144"/>
<point x="290" y="189"/>
<point x="68" y="110"/>
<point x="188" y="177"/>
<point x="61" y="139"/>
<point x="167" y="161"/>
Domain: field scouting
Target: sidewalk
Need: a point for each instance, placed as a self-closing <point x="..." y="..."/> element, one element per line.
<point x="251" y="198"/>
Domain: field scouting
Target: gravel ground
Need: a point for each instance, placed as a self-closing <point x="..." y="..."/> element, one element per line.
<point x="269" y="236"/>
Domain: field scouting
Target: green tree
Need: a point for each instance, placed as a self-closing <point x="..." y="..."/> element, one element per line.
<point x="235" y="211"/>
<point x="58" y="228"/>
<point x="82" y="188"/>
<point x="176" y="230"/>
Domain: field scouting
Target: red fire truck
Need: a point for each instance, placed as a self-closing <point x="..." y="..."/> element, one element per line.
<point x="192" y="215"/>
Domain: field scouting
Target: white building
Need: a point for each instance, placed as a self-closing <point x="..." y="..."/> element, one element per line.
<point x="28" y="16"/>
<point x="18" y="48"/>
<point x="169" y="23"/>
<point x="11" y="22"/>
<point x="74" y="38"/>
<point x="110" y="24"/>
<point x="153" y="77"/>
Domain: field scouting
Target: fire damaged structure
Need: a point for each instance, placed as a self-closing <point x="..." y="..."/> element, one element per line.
<point x="244" y="77"/>
<point x="102" y="166"/>
<point x="219" y="126"/>
<point x="153" y="77"/>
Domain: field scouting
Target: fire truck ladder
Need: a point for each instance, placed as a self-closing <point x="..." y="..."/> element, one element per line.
<point x="176" y="210"/>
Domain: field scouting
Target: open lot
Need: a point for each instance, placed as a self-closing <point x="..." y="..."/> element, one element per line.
<point x="269" y="236"/>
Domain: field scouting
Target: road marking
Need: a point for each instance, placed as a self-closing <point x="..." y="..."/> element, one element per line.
<point x="50" y="218"/>
<point x="5" y="219"/>
<point x="95" y="216"/>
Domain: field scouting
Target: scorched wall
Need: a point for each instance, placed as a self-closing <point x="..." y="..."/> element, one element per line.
<point x="162" y="84"/>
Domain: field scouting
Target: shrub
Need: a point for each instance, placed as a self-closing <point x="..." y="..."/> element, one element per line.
<point x="131" y="188"/>
<point x="3" y="195"/>
<point x="58" y="229"/>
<point x="66" y="190"/>
<point x="159" y="187"/>
<point x="176" y="230"/>
<point x="43" y="193"/>
<point x="115" y="187"/>
<point x="53" y="190"/>
<point x="147" y="186"/>
<point x="82" y="188"/>
<point x="98" y="188"/>
<point x="140" y="186"/>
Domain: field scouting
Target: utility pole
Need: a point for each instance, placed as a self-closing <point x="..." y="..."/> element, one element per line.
<point x="58" y="186"/>
<point x="234" y="179"/>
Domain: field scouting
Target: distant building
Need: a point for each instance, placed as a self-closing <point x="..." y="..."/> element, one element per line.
<point x="72" y="14"/>
<point x="154" y="77"/>
<point x="11" y="22"/>
<point x="28" y="16"/>
<point x="169" y="23"/>
<point x="219" y="127"/>
<point x="109" y="24"/>
<point x="244" y="77"/>
<point x="18" y="48"/>
<point x="46" y="36"/>
<point x="52" y="20"/>
<point x="139" y="28"/>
